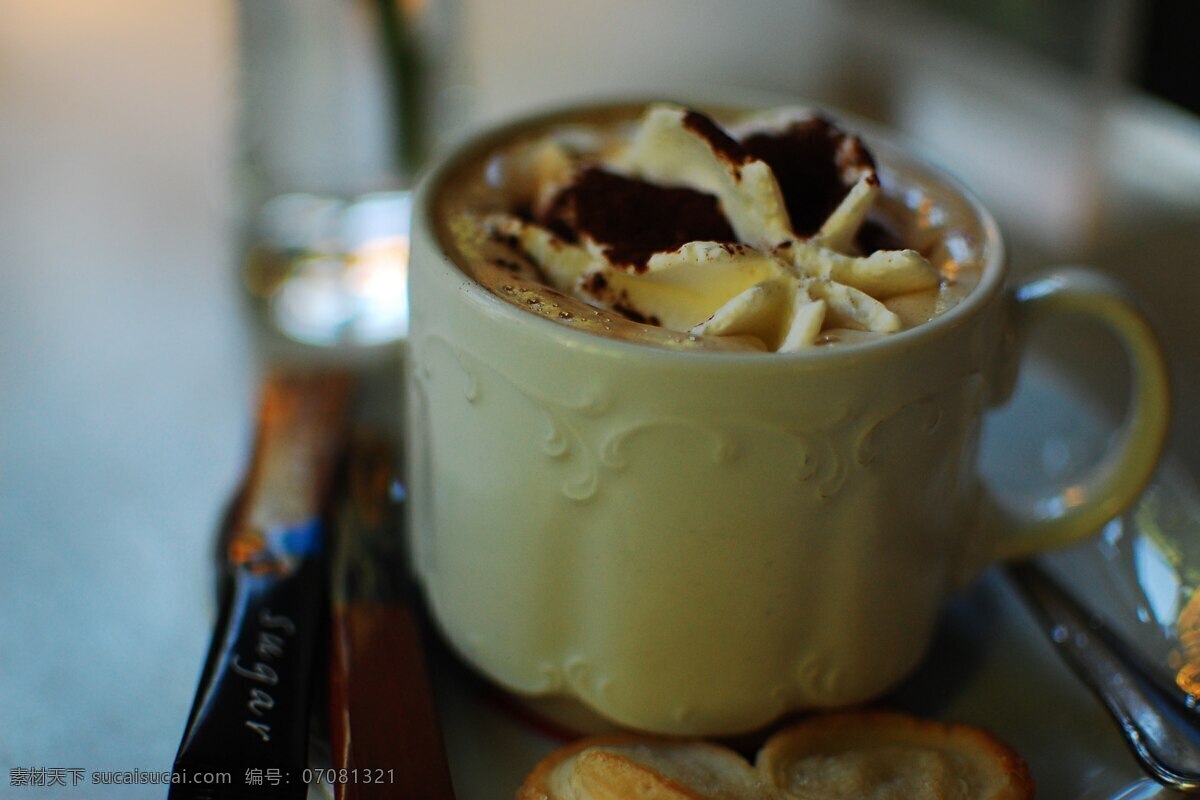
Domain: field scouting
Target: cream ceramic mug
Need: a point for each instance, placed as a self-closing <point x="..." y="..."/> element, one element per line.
<point x="697" y="542"/>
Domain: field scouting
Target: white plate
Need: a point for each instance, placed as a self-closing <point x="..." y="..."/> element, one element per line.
<point x="989" y="665"/>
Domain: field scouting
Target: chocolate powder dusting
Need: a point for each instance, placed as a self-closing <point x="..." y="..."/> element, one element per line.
<point x="724" y="145"/>
<point x="507" y="239"/>
<point x="815" y="165"/>
<point x="632" y="219"/>
<point x="594" y="283"/>
<point x="876" y="234"/>
<point x="630" y="313"/>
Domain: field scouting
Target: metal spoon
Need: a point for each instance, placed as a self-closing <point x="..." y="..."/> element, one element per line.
<point x="1160" y="723"/>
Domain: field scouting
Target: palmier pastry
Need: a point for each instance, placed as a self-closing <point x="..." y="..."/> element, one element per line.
<point x="633" y="767"/>
<point x="882" y="755"/>
<point x="871" y="755"/>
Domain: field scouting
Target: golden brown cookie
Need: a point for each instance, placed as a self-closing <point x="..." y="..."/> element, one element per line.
<point x="863" y="755"/>
<point x="633" y="767"/>
<point x="883" y="755"/>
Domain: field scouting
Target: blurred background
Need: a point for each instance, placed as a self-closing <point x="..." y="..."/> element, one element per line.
<point x="125" y="373"/>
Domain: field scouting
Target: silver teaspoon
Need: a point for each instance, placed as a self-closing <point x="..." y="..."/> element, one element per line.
<point x="1160" y="723"/>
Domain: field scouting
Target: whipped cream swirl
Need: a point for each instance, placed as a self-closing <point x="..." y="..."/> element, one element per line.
<point x="755" y="234"/>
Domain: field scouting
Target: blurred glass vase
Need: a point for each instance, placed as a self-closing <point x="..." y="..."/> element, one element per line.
<point x="331" y="132"/>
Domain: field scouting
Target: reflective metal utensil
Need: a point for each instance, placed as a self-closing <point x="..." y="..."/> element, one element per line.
<point x="1160" y="722"/>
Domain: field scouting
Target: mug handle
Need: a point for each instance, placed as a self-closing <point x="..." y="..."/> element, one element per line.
<point x="1116" y="482"/>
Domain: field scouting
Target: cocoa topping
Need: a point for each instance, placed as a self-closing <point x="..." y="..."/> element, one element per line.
<point x="507" y="239"/>
<point x="722" y="143"/>
<point x="632" y="220"/>
<point x="633" y="314"/>
<point x="594" y="284"/>
<point x="815" y="165"/>
<point x="875" y="234"/>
